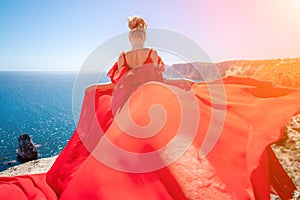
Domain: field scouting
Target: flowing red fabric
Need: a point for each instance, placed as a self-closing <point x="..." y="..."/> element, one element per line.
<point x="117" y="72"/>
<point x="240" y="165"/>
<point x="32" y="187"/>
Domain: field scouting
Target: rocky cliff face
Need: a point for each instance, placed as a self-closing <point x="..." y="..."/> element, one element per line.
<point x="284" y="72"/>
<point x="32" y="167"/>
<point x="288" y="149"/>
<point x="198" y="71"/>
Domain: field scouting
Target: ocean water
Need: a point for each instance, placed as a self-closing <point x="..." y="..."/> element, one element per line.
<point x="39" y="104"/>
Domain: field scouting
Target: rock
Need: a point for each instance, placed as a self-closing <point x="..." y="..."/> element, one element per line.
<point x="32" y="167"/>
<point x="287" y="150"/>
<point x="27" y="150"/>
<point x="198" y="71"/>
<point x="10" y="162"/>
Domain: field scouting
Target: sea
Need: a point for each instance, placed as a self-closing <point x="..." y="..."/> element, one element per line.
<point x="39" y="104"/>
<point x="44" y="105"/>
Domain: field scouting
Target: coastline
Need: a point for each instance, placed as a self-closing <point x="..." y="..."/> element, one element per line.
<point x="38" y="166"/>
<point x="287" y="149"/>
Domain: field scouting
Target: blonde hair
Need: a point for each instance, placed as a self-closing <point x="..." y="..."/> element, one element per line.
<point x="136" y="22"/>
<point x="137" y="26"/>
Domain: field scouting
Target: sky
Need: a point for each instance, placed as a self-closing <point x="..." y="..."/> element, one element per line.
<point x="56" y="35"/>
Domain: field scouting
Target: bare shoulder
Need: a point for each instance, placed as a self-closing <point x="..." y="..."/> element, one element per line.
<point x="154" y="55"/>
<point x="154" y="52"/>
<point x="121" y="57"/>
<point x="120" y="60"/>
<point x="103" y="86"/>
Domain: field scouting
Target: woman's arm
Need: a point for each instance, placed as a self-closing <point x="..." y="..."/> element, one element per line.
<point x="154" y="57"/>
<point x="100" y="86"/>
<point x="182" y="83"/>
<point x="120" y="61"/>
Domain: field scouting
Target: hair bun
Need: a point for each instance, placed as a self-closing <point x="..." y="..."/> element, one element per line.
<point x="136" y="22"/>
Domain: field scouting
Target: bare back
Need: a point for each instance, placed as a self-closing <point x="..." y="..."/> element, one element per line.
<point x="136" y="58"/>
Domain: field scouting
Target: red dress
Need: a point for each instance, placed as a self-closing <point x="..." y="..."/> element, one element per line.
<point x="127" y="83"/>
<point x="117" y="72"/>
<point x="240" y="165"/>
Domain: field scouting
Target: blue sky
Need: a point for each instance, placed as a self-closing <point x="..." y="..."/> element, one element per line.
<point x="60" y="34"/>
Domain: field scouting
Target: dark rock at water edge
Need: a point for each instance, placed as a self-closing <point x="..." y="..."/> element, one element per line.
<point x="27" y="150"/>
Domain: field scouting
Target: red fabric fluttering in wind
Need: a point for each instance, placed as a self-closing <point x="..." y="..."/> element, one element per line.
<point x="33" y="187"/>
<point x="256" y="114"/>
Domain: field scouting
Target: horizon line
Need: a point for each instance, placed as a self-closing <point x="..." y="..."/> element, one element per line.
<point x="215" y="62"/>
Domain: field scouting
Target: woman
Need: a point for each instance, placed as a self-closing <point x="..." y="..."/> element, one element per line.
<point x="133" y="60"/>
<point x="138" y="65"/>
<point x="237" y="167"/>
<point x="133" y="68"/>
<point x="138" y="55"/>
<point x="241" y="165"/>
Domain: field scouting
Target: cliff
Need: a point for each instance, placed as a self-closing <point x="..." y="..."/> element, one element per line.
<point x="284" y="72"/>
<point x="33" y="167"/>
